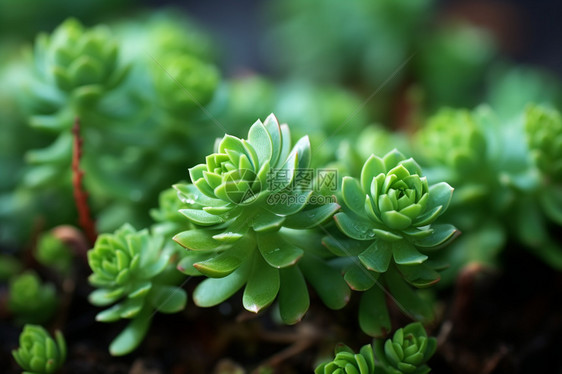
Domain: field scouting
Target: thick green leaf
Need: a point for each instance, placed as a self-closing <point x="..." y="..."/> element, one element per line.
<point x="286" y="204"/>
<point x="355" y="228"/>
<point x="405" y="253"/>
<point x="260" y="139"/>
<point x="353" y="195"/>
<point x="105" y="296"/>
<point x="276" y="251"/>
<point x="358" y="278"/>
<point x="214" y="291"/>
<point x="343" y="246"/>
<point x="262" y="287"/>
<point x="439" y="194"/>
<point x="226" y="262"/>
<point x="373" y="314"/>
<point x="377" y="256"/>
<point x="326" y="280"/>
<point x="168" y="299"/>
<point x="309" y="218"/>
<point x="199" y="240"/>
<point x="185" y="265"/>
<point x="131" y="337"/>
<point x="407" y="298"/>
<point x="302" y="149"/>
<point x="442" y="235"/>
<point x="372" y="167"/>
<point x="267" y="221"/>
<point x="419" y="275"/>
<point x="293" y="295"/>
<point x="201" y="217"/>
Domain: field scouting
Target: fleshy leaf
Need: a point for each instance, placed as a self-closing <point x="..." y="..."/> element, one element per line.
<point x="327" y="281"/>
<point x="168" y="299"/>
<point x="309" y="218"/>
<point x="293" y="295"/>
<point x="213" y="291"/>
<point x="262" y="287"/>
<point x="406" y="254"/>
<point x="276" y="251"/>
<point x="373" y="314"/>
<point x="377" y="256"/>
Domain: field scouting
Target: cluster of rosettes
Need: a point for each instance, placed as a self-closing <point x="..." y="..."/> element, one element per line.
<point x="129" y="269"/>
<point x="38" y="352"/>
<point x="452" y="139"/>
<point x="407" y="352"/>
<point x="78" y="61"/>
<point x="246" y="201"/>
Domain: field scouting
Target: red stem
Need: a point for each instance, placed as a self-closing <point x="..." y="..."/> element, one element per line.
<point x="80" y="196"/>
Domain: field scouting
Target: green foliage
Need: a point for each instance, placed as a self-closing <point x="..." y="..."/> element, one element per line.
<point x="30" y="300"/>
<point x="349" y="362"/>
<point x="132" y="272"/>
<point x="543" y="127"/>
<point x="38" y="352"/>
<point x="407" y="352"/>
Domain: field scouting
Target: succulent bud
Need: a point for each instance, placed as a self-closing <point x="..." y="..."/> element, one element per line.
<point x="407" y="352"/>
<point x="348" y="362"/>
<point x="30" y="300"/>
<point x="38" y="352"/>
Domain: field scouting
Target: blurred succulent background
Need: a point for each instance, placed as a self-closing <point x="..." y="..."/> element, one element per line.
<point x="470" y="89"/>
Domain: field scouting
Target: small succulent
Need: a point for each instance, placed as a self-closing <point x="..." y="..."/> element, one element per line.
<point x="388" y="234"/>
<point x="77" y="61"/>
<point x="52" y="252"/>
<point x="30" y="300"/>
<point x="131" y="272"/>
<point x="452" y="139"/>
<point x="407" y="352"/>
<point x="184" y="83"/>
<point x="250" y="204"/>
<point x="348" y="362"/>
<point x="393" y="207"/>
<point x="38" y="352"/>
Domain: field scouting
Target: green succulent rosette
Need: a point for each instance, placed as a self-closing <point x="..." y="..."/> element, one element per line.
<point x="453" y="140"/>
<point x="76" y="61"/>
<point x="30" y="300"/>
<point x="407" y="352"/>
<point x="346" y="361"/>
<point x="131" y="271"/>
<point x="251" y="204"/>
<point x="184" y="83"/>
<point x="388" y="233"/>
<point x="393" y="208"/>
<point x="53" y="252"/>
<point x="38" y="352"/>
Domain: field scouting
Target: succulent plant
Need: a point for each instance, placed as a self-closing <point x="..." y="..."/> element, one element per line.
<point x="251" y="205"/>
<point x="388" y="234"/>
<point x="30" y="300"/>
<point x="184" y="83"/>
<point x="407" y="352"/>
<point x="53" y="252"/>
<point x="452" y="139"/>
<point x="348" y="362"/>
<point x="130" y="269"/>
<point x="80" y="62"/>
<point x="38" y="352"/>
